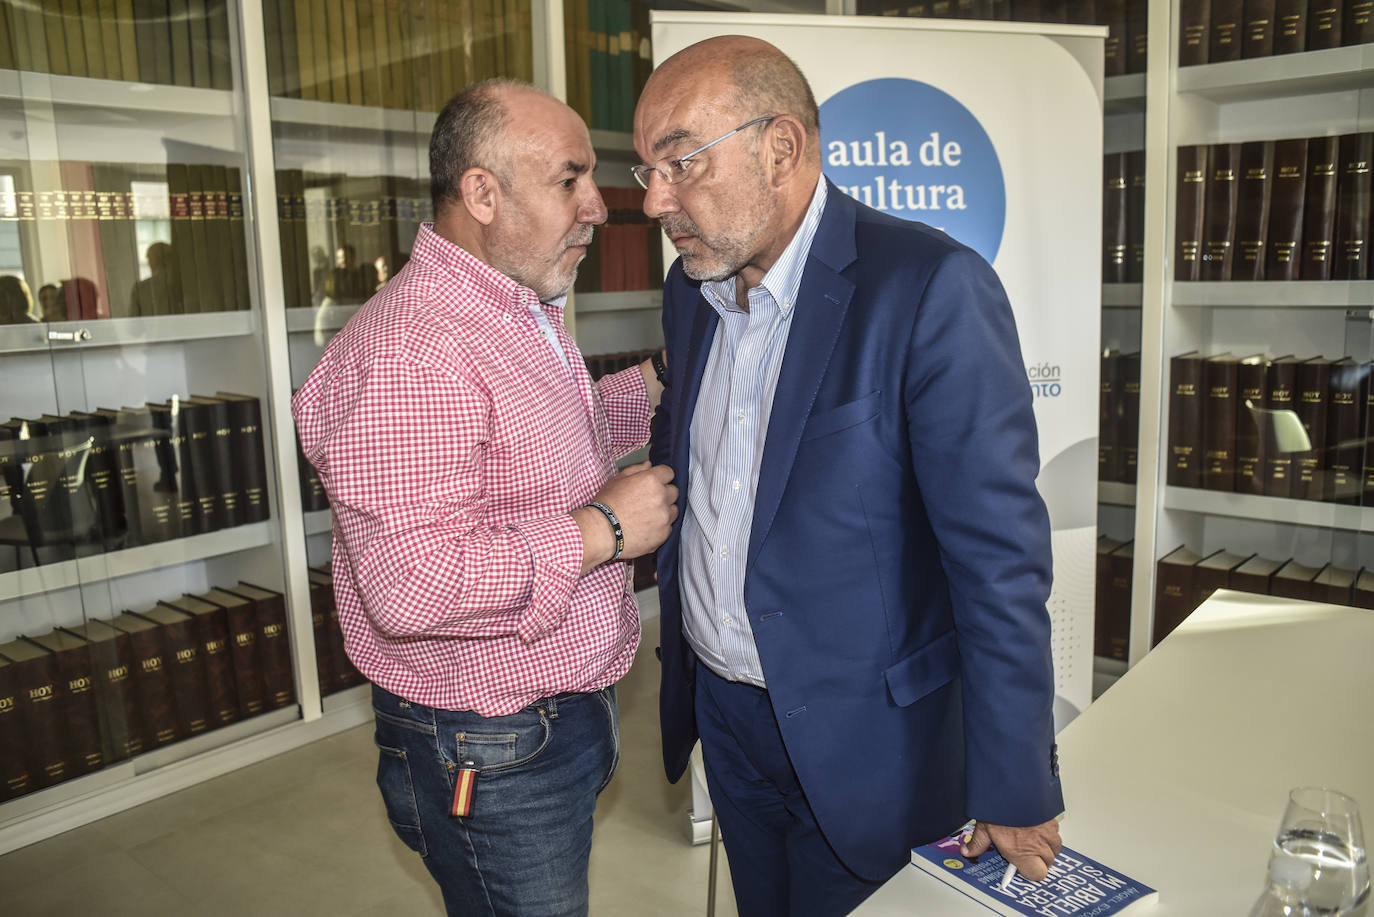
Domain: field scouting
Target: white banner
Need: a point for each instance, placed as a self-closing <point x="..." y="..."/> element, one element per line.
<point x="991" y="131"/>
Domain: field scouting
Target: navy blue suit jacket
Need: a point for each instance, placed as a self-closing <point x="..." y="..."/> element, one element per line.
<point x="899" y="560"/>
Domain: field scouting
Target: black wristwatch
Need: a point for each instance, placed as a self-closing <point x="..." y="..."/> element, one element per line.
<point x="656" y="361"/>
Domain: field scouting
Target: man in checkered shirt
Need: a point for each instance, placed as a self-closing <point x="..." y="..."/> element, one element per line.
<point x="480" y="528"/>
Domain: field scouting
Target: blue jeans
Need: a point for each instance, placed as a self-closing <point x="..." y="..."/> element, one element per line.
<point x="524" y="847"/>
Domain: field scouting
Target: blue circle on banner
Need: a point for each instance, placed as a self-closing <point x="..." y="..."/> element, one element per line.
<point x="914" y="151"/>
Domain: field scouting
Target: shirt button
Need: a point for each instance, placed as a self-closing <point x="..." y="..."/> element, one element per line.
<point x="724" y="552"/>
<point x="735" y="484"/>
<point x="739" y="415"/>
<point x="725" y="619"/>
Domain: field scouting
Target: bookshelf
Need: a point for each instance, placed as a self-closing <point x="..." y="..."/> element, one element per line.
<point x="1308" y="94"/>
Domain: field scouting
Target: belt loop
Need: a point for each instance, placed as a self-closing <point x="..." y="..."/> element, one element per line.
<point x="550" y="705"/>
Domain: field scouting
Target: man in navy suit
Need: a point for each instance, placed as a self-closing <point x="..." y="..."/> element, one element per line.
<point x="853" y="596"/>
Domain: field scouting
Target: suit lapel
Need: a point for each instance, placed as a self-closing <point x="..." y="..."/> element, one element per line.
<point x="822" y="303"/>
<point x="704" y="321"/>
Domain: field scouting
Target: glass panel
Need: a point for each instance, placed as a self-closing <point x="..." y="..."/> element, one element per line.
<point x="138" y="491"/>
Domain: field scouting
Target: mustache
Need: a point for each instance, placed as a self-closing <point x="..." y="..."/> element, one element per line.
<point x="582" y="238"/>
<point x="678" y="226"/>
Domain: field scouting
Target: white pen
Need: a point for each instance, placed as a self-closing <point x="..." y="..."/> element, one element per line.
<point x="1007" y="876"/>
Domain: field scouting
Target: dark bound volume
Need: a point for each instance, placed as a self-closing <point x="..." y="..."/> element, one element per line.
<point x="1290" y="26"/>
<point x="274" y="644"/>
<point x="1293" y="581"/>
<point x="150" y="489"/>
<point x="103" y="475"/>
<point x="39" y="692"/>
<point x="320" y="604"/>
<point x="1334" y="585"/>
<point x="1258" y="40"/>
<point x="1108" y="417"/>
<point x="1252" y="209"/>
<point x="1350" y="258"/>
<point x="1213" y="572"/>
<point x="1367" y="498"/>
<point x="198" y="459"/>
<point x="177" y="477"/>
<point x="1219" y="220"/>
<point x="1357" y="27"/>
<point x="77" y="703"/>
<point x="1323" y="24"/>
<point x="1106" y="599"/>
<point x="1287" y="195"/>
<point x="249" y="454"/>
<point x="1347" y="392"/>
<point x="1115" y="235"/>
<point x="1319" y="208"/>
<point x="243" y="651"/>
<point x="14" y="768"/>
<point x="1112" y="14"/>
<point x="1226" y="42"/>
<point x="1254" y="575"/>
<point x="1188" y="215"/>
<point x="1219" y="422"/>
<point x="1112" y="637"/>
<point x="1364" y="589"/>
<point x="1135" y="216"/>
<point x="1128" y="440"/>
<point x="214" y="412"/>
<point x="1185" y="420"/>
<point x="1286" y="435"/>
<point x="1310" y="398"/>
<point x="1252" y="425"/>
<point x="184" y="666"/>
<point x="322" y="595"/>
<point x="1175" y="595"/>
<point x="121" y="724"/>
<point x="1195" y="19"/>
<point x="211" y="628"/>
<point x="152" y="679"/>
<point x="313" y="496"/>
<point x="1137" y="35"/>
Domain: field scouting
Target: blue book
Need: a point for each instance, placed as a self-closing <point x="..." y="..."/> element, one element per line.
<point x="1076" y="884"/>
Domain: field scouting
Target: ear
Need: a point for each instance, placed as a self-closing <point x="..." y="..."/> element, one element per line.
<point x="786" y="146"/>
<point x="480" y="191"/>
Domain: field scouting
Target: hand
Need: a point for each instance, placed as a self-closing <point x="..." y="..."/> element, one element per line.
<point x="644" y="501"/>
<point x="1031" y="850"/>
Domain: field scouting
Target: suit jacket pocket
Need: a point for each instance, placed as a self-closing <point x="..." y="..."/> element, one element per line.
<point x="847" y="415"/>
<point x="932" y="666"/>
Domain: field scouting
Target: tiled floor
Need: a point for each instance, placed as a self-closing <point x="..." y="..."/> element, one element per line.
<point x="304" y="833"/>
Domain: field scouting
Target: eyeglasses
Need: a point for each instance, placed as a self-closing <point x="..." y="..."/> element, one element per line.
<point x="673" y="171"/>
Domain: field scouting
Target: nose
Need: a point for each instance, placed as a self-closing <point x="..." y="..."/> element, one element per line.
<point x="658" y="197"/>
<point x="593" y="208"/>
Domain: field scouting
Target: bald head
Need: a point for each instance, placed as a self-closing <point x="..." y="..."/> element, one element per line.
<point x="747" y="77"/>
<point x="479" y="128"/>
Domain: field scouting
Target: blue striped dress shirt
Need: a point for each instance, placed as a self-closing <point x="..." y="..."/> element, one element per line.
<point x="727" y="436"/>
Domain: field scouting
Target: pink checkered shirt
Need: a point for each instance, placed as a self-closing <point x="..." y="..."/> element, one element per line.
<point x="453" y="442"/>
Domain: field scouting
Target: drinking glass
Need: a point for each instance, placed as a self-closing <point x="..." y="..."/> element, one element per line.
<point x="1319" y="854"/>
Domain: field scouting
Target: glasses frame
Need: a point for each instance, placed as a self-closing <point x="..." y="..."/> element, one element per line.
<point x="642" y="173"/>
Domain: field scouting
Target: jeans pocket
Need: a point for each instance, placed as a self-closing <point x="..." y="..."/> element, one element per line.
<point x="523" y="737"/>
<point x="398" y="792"/>
<point x="611" y="703"/>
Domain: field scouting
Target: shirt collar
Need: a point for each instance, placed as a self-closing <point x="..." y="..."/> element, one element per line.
<point x="492" y="288"/>
<point x="783" y="279"/>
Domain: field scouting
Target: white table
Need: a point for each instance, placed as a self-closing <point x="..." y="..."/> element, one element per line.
<point x="1179" y="773"/>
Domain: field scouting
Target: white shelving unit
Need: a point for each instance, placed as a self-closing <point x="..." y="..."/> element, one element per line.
<point x="1318" y="93"/>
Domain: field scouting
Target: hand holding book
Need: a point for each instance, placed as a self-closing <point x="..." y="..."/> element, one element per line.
<point x="1031" y="850"/>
